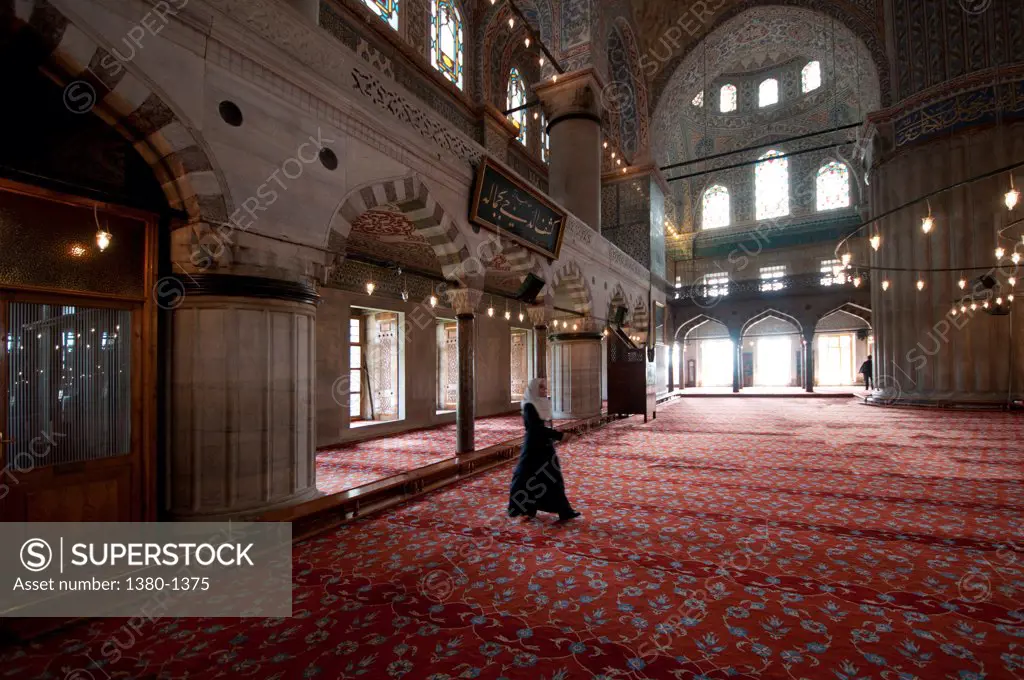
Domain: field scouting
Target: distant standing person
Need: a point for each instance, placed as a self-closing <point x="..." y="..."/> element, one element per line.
<point x="537" y="482"/>
<point x="868" y="372"/>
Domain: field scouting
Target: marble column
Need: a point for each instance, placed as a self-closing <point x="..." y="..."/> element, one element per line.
<point x="572" y="106"/>
<point x="540" y="316"/>
<point x="464" y="302"/>
<point x="737" y="362"/>
<point x="241" y="403"/>
<point x="575" y="383"/>
<point x="808" y="343"/>
<point x="924" y="352"/>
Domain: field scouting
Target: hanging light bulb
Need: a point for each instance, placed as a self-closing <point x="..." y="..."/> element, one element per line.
<point x="856" y="281"/>
<point x="490" y="311"/>
<point x="928" y="222"/>
<point x="405" y="295"/>
<point x="885" y="284"/>
<point x="1012" y="281"/>
<point x="103" y="239"/>
<point x="575" y="327"/>
<point x="554" y="78"/>
<point x="920" y="284"/>
<point x="520" y="316"/>
<point x="613" y="155"/>
<point x="999" y="300"/>
<point x="985" y="304"/>
<point x="370" y="285"/>
<point x="963" y="308"/>
<point x="846" y="258"/>
<point x="433" y="301"/>
<point x="876" y="241"/>
<point x="511" y="22"/>
<point x="974" y="306"/>
<point x="1010" y="297"/>
<point x="1012" y="196"/>
<point x="605" y="332"/>
<point x="508" y="315"/>
<point x="1000" y="251"/>
<point x="1015" y="258"/>
<point x="606" y="144"/>
<point x="952" y="312"/>
<point x="962" y="283"/>
<point x="527" y="41"/>
<point x="541" y="60"/>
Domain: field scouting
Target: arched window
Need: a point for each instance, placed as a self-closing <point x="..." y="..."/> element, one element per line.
<point x="833" y="186"/>
<point x="446" y="40"/>
<point x="517" y="98"/>
<point x="698" y="101"/>
<point x="715" y="209"/>
<point x="810" y="77"/>
<point x="727" y="101"/>
<point x="771" y="185"/>
<point x="768" y="93"/>
<point x="387" y="10"/>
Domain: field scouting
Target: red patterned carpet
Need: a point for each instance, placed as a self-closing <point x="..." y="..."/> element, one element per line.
<point x="352" y="465"/>
<point x="746" y="538"/>
<point x="349" y="466"/>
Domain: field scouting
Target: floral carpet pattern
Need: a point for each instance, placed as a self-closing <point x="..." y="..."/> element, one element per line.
<point x="346" y="467"/>
<point x="743" y="538"/>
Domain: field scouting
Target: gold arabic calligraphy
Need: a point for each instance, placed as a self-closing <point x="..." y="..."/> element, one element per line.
<point x="517" y="210"/>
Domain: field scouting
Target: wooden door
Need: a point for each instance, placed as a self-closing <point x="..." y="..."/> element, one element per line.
<point x="76" y="370"/>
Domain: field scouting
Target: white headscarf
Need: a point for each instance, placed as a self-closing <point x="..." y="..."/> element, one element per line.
<point x="532" y="396"/>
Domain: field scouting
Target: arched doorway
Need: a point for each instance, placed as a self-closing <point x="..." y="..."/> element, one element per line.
<point x="842" y="341"/>
<point x="772" y="351"/>
<point x="706" y="355"/>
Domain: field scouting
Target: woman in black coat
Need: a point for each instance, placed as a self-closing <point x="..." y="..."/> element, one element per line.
<point x="537" y="482"/>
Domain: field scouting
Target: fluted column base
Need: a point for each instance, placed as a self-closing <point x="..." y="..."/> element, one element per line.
<point x="242" y="406"/>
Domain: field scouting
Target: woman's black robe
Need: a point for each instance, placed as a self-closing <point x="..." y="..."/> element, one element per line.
<point x="537" y="482"/>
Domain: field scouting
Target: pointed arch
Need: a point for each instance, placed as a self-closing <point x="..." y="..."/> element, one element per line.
<point x="683" y="329"/>
<point x="130" y="103"/>
<point x="570" y="280"/>
<point x="768" y="314"/>
<point x="629" y="110"/>
<point x="409" y="196"/>
<point x="851" y="308"/>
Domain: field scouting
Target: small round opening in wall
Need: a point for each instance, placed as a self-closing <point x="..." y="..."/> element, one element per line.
<point x="328" y="159"/>
<point x="230" y="112"/>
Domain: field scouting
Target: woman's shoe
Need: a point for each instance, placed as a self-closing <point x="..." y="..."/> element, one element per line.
<point x="568" y="516"/>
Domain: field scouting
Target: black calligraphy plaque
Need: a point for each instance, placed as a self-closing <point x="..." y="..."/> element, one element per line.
<point x="508" y="206"/>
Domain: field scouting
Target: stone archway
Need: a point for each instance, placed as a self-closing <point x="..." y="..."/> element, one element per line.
<point x="570" y="281"/>
<point x="126" y="100"/>
<point x="409" y="197"/>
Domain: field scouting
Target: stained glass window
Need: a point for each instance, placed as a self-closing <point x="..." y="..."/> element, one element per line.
<point x="716" y="207"/>
<point x="545" y="140"/>
<point x="810" y="77"/>
<point x="517" y="98"/>
<point x="387" y="10"/>
<point x="446" y="40"/>
<point x="728" y="98"/>
<point x="699" y="99"/>
<point x="768" y="93"/>
<point x="833" y="186"/>
<point x="771" y="185"/>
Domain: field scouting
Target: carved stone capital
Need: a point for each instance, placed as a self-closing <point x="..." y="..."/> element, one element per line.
<point x="464" y="300"/>
<point x="576" y="94"/>
<point x="540" y="315"/>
